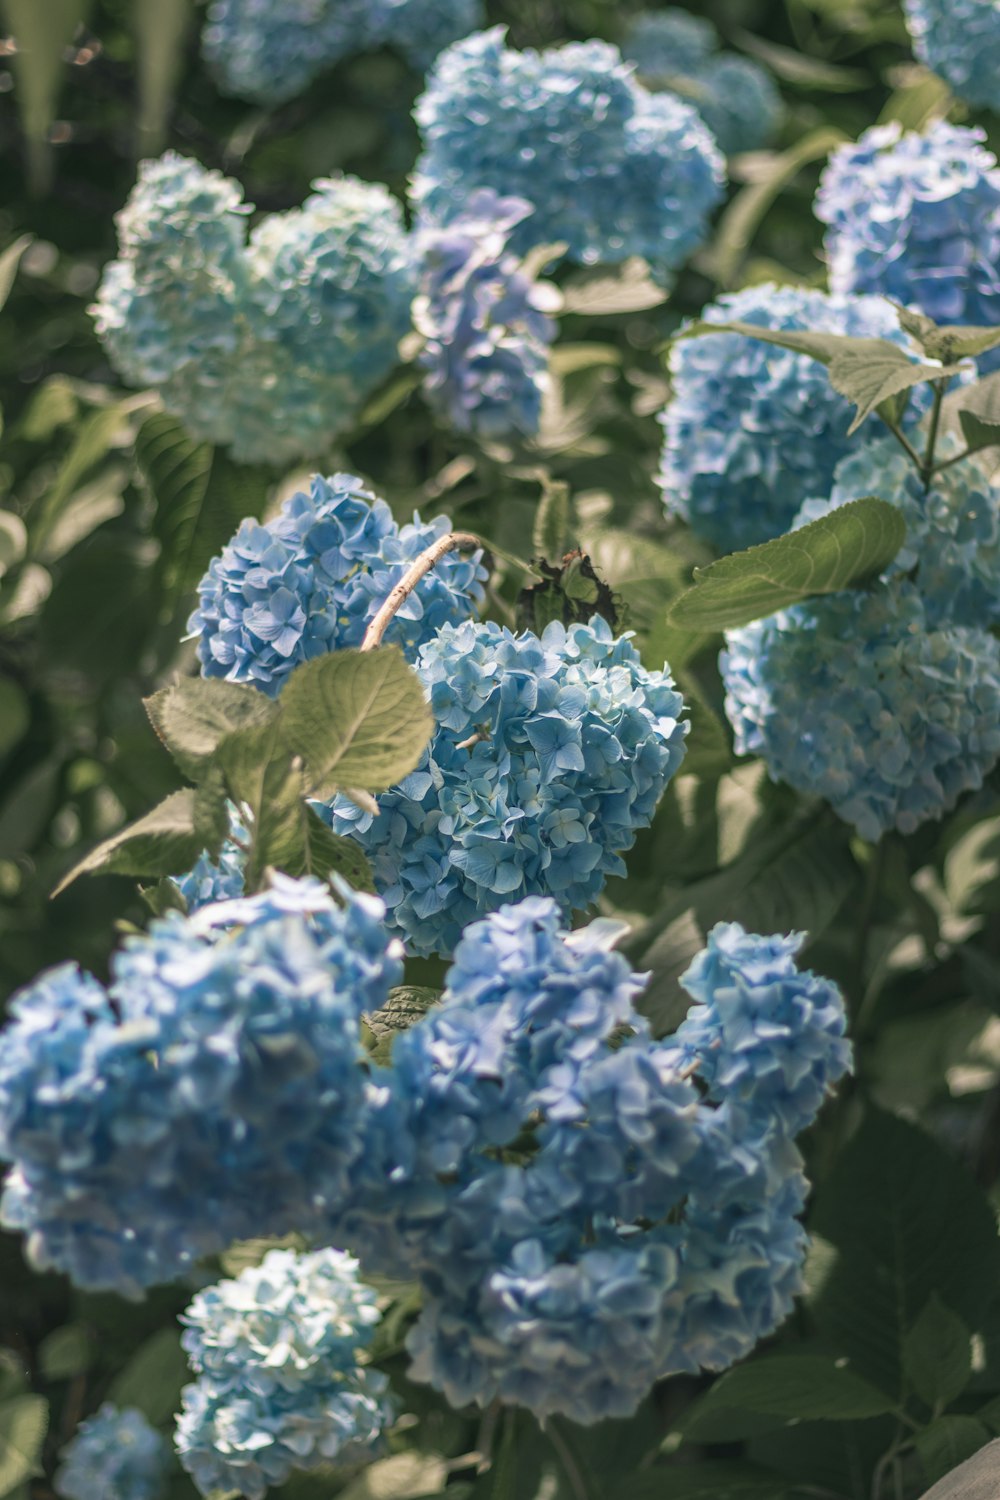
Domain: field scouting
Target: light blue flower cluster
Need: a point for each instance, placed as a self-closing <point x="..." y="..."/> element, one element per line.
<point x="221" y="879"/>
<point x="752" y="431"/>
<point x="271" y="50"/>
<point x="268" y="346"/>
<point x="612" y="170"/>
<point x="310" y="580"/>
<point x="736" y="98"/>
<point x="549" y="755"/>
<point x="952" y="546"/>
<point x="484" y="320"/>
<point x="857" y="697"/>
<point x="280" y="1387"/>
<point x="764" y="1036"/>
<point x="960" y="41"/>
<point x="114" y="1455"/>
<point x="212" y="1093"/>
<point x="581" y="1218"/>
<point x="916" y="217"/>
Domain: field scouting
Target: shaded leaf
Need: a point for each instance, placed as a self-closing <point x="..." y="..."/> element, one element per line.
<point x="167" y="841"/>
<point x="160" y="26"/>
<point x="947" y="1443"/>
<point x="201" y="498"/>
<point x="708" y="1480"/>
<point x="66" y="1352"/>
<point x="24" y="1422"/>
<point x="549" y="539"/>
<point x="9" y="262"/>
<point x="357" y="718"/>
<point x="976" y="1479"/>
<point x="13" y="540"/>
<point x="937" y="1354"/>
<point x="42" y="32"/>
<point x="151" y="1380"/>
<point x="193" y="717"/>
<point x="93" y="441"/>
<point x="15" y="714"/>
<point x="602" y="293"/>
<point x="848" y="547"/>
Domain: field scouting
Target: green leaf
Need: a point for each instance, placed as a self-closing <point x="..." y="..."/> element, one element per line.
<point x="844" y="549"/>
<point x="406" y="1005"/>
<point x="23" y="1424"/>
<point x="748" y="210"/>
<point x="267" y="780"/>
<point x="15" y="714"/>
<point x="947" y="1443"/>
<point x="167" y="841"/>
<point x="602" y="293"/>
<point x="975" y="1479"/>
<point x="799" y="69"/>
<point x="793" y="878"/>
<point x="42" y="32"/>
<point x="93" y="442"/>
<point x="802" y="1387"/>
<point x="867" y="372"/>
<point x="907" y="1221"/>
<point x="201" y="498"/>
<point x="9" y="262"/>
<point x="160" y="27"/>
<point x="13" y="540"/>
<point x="87" y="509"/>
<point x="195" y="715"/>
<point x="923" y="97"/>
<point x="937" y="1354"/>
<point x="66" y="1352"/>
<point x="404" y="1476"/>
<point x="153" y="1377"/>
<point x="977" y="411"/>
<point x="357" y="719"/>
<point x="549" y="540"/>
<point x="325" y="853"/>
<point x="709" y="1480"/>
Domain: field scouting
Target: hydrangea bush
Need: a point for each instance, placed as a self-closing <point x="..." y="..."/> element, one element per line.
<point x="451" y="1080"/>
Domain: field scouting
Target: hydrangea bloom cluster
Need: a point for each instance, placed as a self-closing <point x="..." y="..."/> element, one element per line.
<point x="280" y="1387"/>
<point x="960" y="41"/>
<point x="271" y="50"/>
<point x="952" y="546"/>
<point x="736" y="98"/>
<point x="581" y="1218"/>
<point x="916" y="217"/>
<point x="612" y="170"/>
<point x="549" y="754"/>
<point x="211" y="1093"/>
<point x="217" y="880"/>
<point x="114" y="1455"/>
<point x="310" y="580"/>
<point x="858" y="698"/>
<point x="484" y="320"/>
<point x="270" y="345"/>
<point x="752" y="431"/>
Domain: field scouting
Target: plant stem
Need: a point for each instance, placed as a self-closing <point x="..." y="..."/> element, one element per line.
<point x="927" y="467"/>
<point x="566" y="1458"/>
<point x="453" y="541"/>
<point x="946" y="463"/>
<point x="907" y="446"/>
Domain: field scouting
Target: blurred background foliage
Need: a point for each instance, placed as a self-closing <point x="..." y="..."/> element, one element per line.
<point x="96" y="575"/>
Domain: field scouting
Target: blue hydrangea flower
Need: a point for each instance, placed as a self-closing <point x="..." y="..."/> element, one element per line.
<point x="272" y="50"/>
<point x="763" y="1033"/>
<point x="856" y="698"/>
<point x="669" y="43"/>
<point x="736" y="97"/>
<point x="251" y="1435"/>
<point x="292" y="1316"/>
<point x="226" y="1054"/>
<point x="916" y="217"/>
<point x="280" y="1387"/>
<point x="211" y="880"/>
<point x="612" y="170"/>
<point x="268" y="346"/>
<point x="752" y="431"/>
<point x="548" y="757"/>
<point x="952" y="546"/>
<point x="114" y="1455"/>
<point x="581" y="1218"/>
<point x="310" y="580"/>
<point x="484" y="321"/>
<point x="960" y="41"/>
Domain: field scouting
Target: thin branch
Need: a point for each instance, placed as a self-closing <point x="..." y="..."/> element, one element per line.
<point x="453" y="541"/>
<point x="927" y="467"/>
<point x="906" y="445"/>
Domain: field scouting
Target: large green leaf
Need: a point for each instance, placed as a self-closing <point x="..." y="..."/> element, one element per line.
<point x="24" y="1421"/>
<point x="151" y="1380"/>
<point x="195" y="715"/>
<point x="907" y="1223"/>
<point x="803" y="1388"/>
<point x="947" y="1443"/>
<point x="937" y="1354"/>
<point x="357" y="719"/>
<point x="94" y="440"/>
<point x="167" y="841"/>
<point x="844" y="549"/>
<point x="976" y="1479"/>
<point x="709" y="1480"/>
<point x="201" y="498"/>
